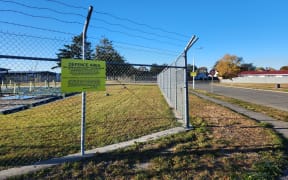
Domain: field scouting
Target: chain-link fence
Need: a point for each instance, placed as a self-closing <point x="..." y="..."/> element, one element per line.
<point x="39" y="121"/>
<point x="172" y="83"/>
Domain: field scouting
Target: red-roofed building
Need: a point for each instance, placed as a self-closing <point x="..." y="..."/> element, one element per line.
<point x="260" y="77"/>
<point x="264" y="73"/>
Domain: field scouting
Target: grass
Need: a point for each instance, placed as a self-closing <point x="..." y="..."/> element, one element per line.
<point x="53" y="130"/>
<point x="223" y="145"/>
<point x="269" y="111"/>
<point x="265" y="86"/>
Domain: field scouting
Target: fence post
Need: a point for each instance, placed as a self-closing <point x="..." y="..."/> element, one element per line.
<point x="186" y="93"/>
<point x="83" y="115"/>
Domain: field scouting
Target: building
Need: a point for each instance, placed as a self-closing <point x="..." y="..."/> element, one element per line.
<point x="27" y="76"/>
<point x="279" y="77"/>
<point x="280" y="74"/>
<point x="3" y="71"/>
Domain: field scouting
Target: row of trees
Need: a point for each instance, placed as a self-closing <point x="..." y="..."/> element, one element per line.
<point x="105" y="51"/>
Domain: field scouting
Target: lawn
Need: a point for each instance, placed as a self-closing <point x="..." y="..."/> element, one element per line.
<point x="53" y="130"/>
<point x="223" y="145"/>
<point x="265" y="86"/>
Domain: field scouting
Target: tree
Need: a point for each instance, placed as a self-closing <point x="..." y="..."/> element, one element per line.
<point x="284" y="68"/>
<point x="74" y="50"/>
<point x="229" y="66"/>
<point x="106" y="52"/>
<point x="260" y="69"/>
<point x="115" y="66"/>
<point x="156" y="69"/>
<point x="247" y="67"/>
<point x="203" y="70"/>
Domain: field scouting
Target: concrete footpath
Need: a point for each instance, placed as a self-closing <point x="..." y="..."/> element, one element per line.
<point x="76" y="157"/>
<point x="279" y="126"/>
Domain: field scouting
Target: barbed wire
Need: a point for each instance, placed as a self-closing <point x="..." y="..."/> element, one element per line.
<point x="33" y="36"/>
<point x="79" y="15"/>
<point x="91" y="37"/>
<point x="93" y="19"/>
<point x="95" y="27"/>
<point x="37" y="28"/>
<point x="121" y="18"/>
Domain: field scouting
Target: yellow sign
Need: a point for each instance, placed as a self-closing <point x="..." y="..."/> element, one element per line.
<point x="79" y="75"/>
<point x="193" y="74"/>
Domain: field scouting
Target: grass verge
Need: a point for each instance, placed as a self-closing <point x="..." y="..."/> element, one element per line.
<point x="223" y="145"/>
<point x="264" y="86"/>
<point x="53" y="130"/>
<point x="269" y="111"/>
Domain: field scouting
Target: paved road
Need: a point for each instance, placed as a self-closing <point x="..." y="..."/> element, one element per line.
<point x="276" y="100"/>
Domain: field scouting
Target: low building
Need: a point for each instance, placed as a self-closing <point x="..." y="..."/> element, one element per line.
<point x="27" y="76"/>
<point x="3" y="71"/>
<point x="260" y="77"/>
<point x="283" y="73"/>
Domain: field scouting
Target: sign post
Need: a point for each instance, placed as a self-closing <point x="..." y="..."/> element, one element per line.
<point x="212" y="73"/>
<point x="83" y="76"/>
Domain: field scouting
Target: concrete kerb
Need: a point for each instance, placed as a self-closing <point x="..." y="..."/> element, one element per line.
<point x="4" y="174"/>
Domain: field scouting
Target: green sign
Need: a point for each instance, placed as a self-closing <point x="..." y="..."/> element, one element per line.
<point x="79" y="75"/>
<point x="193" y="74"/>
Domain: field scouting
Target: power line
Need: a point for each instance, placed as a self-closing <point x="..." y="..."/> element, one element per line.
<point x="141" y="24"/>
<point x="135" y="29"/>
<point x="67" y="5"/>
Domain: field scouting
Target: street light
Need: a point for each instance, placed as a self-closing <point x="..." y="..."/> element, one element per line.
<point x="193" y="85"/>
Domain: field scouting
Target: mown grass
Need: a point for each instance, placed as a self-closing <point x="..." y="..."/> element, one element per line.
<point x="265" y="86"/>
<point x="269" y="111"/>
<point x="53" y="130"/>
<point x="223" y="145"/>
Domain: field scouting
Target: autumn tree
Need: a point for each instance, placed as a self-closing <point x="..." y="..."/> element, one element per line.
<point x="228" y="66"/>
<point x="284" y="68"/>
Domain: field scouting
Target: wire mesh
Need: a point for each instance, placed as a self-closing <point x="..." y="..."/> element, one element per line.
<point x="172" y="83"/>
<point x="39" y="121"/>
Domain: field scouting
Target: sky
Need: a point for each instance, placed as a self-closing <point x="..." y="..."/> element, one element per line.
<point x="152" y="31"/>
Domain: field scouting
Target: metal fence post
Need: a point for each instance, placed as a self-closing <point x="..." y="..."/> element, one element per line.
<point x="186" y="93"/>
<point x="83" y="115"/>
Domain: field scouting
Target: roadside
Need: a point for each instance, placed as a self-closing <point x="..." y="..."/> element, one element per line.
<point x="263" y="87"/>
<point x="280" y="126"/>
<point x="277" y="100"/>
